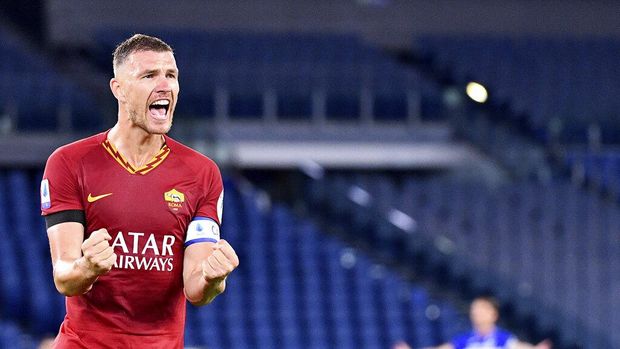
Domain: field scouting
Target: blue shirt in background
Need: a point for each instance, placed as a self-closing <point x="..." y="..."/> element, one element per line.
<point x="498" y="339"/>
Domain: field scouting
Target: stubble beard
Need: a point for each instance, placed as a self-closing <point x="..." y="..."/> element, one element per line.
<point x="141" y="123"/>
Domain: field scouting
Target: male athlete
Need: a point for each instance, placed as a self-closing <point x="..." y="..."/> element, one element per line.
<point x="133" y="216"/>
<point x="484" y="313"/>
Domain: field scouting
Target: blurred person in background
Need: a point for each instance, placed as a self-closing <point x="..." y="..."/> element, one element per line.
<point x="133" y="216"/>
<point x="484" y="314"/>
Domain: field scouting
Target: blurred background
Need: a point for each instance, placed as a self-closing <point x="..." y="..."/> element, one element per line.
<point x="385" y="161"/>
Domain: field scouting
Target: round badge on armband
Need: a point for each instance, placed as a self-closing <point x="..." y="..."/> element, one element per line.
<point x="202" y="229"/>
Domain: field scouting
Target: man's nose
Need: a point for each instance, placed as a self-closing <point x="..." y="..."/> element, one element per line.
<point x="163" y="85"/>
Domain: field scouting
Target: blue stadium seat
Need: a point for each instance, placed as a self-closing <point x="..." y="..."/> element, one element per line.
<point x="13" y="303"/>
<point x="549" y="79"/>
<point x="11" y="336"/>
<point x="32" y="76"/>
<point x="536" y="246"/>
<point x="301" y="288"/>
<point x="295" y="66"/>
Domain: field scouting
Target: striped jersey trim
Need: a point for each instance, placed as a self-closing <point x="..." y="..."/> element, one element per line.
<point x="148" y="167"/>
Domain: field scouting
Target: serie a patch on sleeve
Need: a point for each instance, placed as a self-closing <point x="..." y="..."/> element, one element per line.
<point x="46" y="198"/>
<point x="202" y="229"/>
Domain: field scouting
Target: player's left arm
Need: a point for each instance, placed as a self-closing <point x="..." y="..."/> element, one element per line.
<point x="208" y="260"/>
<point x="206" y="266"/>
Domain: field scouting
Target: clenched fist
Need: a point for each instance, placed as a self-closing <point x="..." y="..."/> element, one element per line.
<point x="220" y="263"/>
<point x="99" y="256"/>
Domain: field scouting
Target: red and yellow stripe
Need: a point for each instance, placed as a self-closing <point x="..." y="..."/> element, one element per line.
<point x="148" y="167"/>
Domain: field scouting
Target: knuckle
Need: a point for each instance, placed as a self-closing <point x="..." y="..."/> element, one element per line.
<point x="230" y="251"/>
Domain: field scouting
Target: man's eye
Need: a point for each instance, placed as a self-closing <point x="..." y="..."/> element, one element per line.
<point x="148" y="76"/>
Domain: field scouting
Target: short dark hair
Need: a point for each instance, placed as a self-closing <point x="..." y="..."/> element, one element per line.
<point x="489" y="299"/>
<point x="136" y="43"/>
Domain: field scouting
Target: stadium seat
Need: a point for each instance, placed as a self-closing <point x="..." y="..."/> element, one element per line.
<point x="57" y="97"/>
<point x="536" y="246"/>
<point x="300" y="287"/>
<point x="550" y="79"/>
<point x="296" y="68"/>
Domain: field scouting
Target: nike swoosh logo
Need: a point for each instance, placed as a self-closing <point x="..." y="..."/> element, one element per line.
<point x="95" y="198"/>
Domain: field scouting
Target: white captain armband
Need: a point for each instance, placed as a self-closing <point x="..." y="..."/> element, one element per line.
<point x="202" y="229"/>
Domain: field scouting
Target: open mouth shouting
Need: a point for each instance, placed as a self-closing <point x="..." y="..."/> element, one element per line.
<point x="159" y="109"/>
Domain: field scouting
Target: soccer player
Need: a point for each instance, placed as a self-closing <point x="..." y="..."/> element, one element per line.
<point x="484" y="313"/>
<point x="133" y="216"/>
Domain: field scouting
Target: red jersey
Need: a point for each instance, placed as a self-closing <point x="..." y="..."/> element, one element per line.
<point x="140" y="303"/>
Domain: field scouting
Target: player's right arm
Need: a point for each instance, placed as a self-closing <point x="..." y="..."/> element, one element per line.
<point x="77" y="263"/>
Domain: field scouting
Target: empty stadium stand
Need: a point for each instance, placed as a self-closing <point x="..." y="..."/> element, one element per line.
<point x="562" y="87"/>
<point x="549" y="247"/>
<point x="297" y="287"/>
<point x="36" y="97"/>
<point x="290" y="76"/>
<point x="372" y="258"/>
<point x="11" y="336"/>
<point x="598" y="169"/>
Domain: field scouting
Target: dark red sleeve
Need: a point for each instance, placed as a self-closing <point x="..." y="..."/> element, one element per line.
<point x="60" y="189"/>
<point x="212" y="201"/>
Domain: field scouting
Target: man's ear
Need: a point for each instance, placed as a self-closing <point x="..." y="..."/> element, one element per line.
<point x="117" y="91"/>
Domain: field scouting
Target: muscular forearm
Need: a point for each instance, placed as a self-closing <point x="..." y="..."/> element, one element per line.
<point x="200" y="292"/>
<point x="73" y="278"/>
<point x="78" y="263"/>
<point x="205" y="269"/>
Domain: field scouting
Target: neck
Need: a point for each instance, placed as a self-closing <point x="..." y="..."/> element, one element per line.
<point x="135" y="145"/>
<point x="485" y="330"/>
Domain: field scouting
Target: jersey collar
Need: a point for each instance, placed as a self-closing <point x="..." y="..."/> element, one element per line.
<point x="148" y="167"/>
